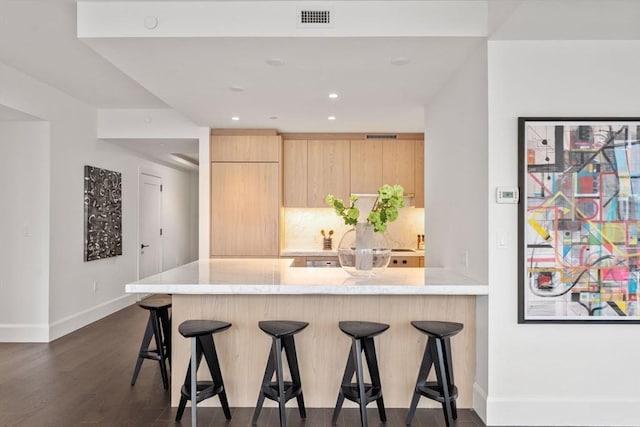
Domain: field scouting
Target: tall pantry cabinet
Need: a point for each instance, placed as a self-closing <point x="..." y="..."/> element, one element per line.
<point x="245" y="194"/>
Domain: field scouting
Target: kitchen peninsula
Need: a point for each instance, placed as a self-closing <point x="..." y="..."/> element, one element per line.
<point x="245" y="291"/>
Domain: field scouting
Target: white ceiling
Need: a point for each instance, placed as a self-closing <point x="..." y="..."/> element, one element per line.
<point x="194" y="75"/>
<point x="197" y="77"/>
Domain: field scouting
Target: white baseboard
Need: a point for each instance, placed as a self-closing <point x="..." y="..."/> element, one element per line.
<point x="480" y="401"/>
<point x="76" y="321"/>
<point x="556" y="411"/>
<point x="24" y="332"/>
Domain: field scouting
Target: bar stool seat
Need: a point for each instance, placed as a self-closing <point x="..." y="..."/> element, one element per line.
<point x="159" y="328"/>
<point x="201" y="331"/>
<point x="361" y="334"/>
<point x="281" y="391"/>
<point x="437" y="353"/>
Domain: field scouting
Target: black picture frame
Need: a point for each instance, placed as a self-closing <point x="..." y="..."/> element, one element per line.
<point x="103" y="213"/>
<point x="579" y="220"/>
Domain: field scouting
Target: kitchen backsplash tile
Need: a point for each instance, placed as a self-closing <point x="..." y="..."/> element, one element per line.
<point x="302" y="228"/>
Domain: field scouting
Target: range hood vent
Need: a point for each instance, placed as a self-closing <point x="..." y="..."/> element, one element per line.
<point x="314" y="18"/>
<point x="382" y="136"/>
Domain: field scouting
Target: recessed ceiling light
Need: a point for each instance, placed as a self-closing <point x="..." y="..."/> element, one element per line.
<point x="236" y="89"/>
<point x="400" y="60"/>
<point x="331" y="117"/>
<point x="275" y="62"/>
<point x="236" y="118"/>
<point x="333" y="95"/>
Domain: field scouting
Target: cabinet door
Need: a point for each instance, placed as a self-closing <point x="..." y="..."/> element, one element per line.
<point x="418" y="201"/>
<point x="245" y="208"/>
<point x="328" y="171"/>
<point x="366" y="166"/>
<point x="398" y="163"/>
<point x="245" y="148"/>
<point x="294" y="173"/>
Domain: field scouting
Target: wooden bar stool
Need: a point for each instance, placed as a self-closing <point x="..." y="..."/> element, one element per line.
<point x="281" y="332"/>
<point x="201" y="334"/>
<point x="158" y="328"/>
<point x="437" y="353"/>
<point x="361" y="334"/>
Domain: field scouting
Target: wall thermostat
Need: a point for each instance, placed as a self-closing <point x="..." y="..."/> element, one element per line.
<point x="507" y="194"/>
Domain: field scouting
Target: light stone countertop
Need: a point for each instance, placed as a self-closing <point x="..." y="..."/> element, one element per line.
<point x="263" y="276"/>
<point x="300" y="252"/>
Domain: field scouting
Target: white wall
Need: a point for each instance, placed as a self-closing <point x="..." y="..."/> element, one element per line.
<point x="456" y="171"/>
<point x="73" y="144"/>
<point x="24" y="231"/>
<point x="551" y="374"/>
<point x="456" y="206"/>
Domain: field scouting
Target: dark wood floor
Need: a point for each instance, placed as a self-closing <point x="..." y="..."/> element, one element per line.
<point x="83" y="379"/>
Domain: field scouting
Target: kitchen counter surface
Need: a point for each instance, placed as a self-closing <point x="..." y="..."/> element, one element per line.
<point x="293" y="252"/>
<point x="276" y="276"/>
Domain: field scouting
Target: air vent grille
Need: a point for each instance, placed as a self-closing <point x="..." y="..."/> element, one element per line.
<point x="315" y="17"/>
<point x="382" y="136"/>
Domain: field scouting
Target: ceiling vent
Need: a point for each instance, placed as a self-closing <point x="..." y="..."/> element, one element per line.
<point x="317" y="17"/>
<point x="382" y="136"/>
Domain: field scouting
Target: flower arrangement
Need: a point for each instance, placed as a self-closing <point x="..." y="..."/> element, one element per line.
<point x="385" y="208"/>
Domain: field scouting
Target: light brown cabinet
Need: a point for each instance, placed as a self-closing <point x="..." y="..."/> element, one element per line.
<point x="327" y="171"/>
<point x="245" y="195"/>
<point x="366" y="165"/>
<point x="398" y="163"/>
<point x="294" y="173"/>
<point x="418" y="200"/>
<point x="245" y="148"/>
<point x="388" y="161"/>
<point x="314" y="168"/>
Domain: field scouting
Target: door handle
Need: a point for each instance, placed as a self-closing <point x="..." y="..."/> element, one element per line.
<point x="142" y="246"/>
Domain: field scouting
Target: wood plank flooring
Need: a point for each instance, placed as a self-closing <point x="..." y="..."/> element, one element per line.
<point x="83" y="379"/>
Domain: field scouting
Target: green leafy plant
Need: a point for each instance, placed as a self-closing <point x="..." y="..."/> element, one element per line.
<point x="385" y="208"/>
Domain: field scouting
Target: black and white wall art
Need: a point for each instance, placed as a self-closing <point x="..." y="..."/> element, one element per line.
<point x="103" y="213"/>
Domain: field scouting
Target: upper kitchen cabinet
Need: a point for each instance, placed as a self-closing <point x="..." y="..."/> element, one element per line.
<point x="328" y="163"/>
<point x="366" y="165"/>
<point x="375" y="162"/>
<point x="294" y="173"/>
<point x="259" y="147"/>
<point x="398" y="163"/>
<point x="418" y="200"/>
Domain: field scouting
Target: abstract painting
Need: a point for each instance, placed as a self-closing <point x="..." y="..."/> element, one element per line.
<point x="579" y="220"/>
<point x="103" y="213"/>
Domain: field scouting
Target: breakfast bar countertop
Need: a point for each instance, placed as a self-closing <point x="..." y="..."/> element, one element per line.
<point x="298" y="252"/>
<point x="262" y="276"/>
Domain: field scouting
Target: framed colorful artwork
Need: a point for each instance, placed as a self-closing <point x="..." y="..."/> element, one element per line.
<point x="579" y="220"/>
<point x="103" y="213"/>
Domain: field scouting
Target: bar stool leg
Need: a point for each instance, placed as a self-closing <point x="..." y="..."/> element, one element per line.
<point x="194" y="383"/>
<point x="166" y="333"/>
<point x="346" y="379"/>
<point x="360" y="378"/>
<point x="423" y="373"/>
<point x="266" y="379"/>
<point x="292" y="360"/>
<point x="211" y="356"/>
<point x="449" y="364"/>
<point x="146" y="340"/>
<point x="280" y="375"/>
<point x="441" y="374"/>
<point x="157" y="334"/>
<point x="372" y="363"/>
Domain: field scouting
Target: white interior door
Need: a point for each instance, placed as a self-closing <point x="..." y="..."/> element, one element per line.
<point x="150" y="245"/>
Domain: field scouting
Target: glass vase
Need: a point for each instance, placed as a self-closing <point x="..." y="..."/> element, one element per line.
<point x="362" y="252"/>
